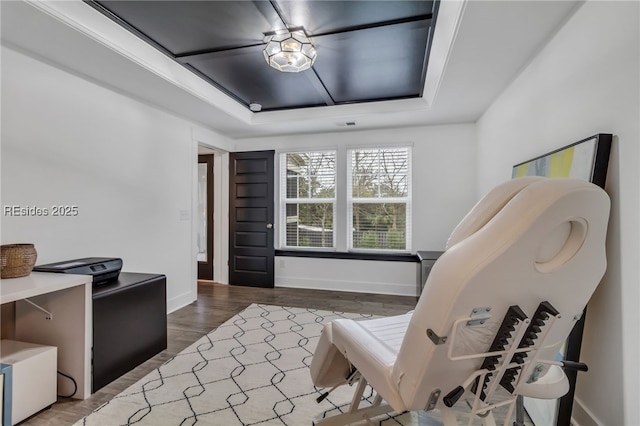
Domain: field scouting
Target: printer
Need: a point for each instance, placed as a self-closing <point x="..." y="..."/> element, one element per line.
<point x="103" y="269"/>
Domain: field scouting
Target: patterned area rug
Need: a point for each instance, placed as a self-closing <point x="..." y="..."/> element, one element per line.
<point x="252" y="370"/>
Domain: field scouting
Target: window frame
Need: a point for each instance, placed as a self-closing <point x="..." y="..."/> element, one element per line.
<point x="407" y="200"/>
<point x="284" y="200"/>
<point x="342" y="221"/>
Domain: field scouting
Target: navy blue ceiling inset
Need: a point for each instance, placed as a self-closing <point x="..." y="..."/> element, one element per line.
<point x="367" y="50"/>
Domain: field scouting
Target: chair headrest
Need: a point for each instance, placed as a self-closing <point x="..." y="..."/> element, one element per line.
<point x="488" y="206"/>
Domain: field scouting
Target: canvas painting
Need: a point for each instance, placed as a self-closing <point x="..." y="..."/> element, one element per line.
<point x="588" y="160"/>
<point x="576" y="161"/>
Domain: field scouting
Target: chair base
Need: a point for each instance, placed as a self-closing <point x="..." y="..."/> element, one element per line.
<point x="360" y="415"/>
<point x="449" y="418"/>
<point x="356" y="415"/>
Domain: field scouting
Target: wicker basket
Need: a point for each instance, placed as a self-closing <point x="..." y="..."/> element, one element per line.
<point x="17" y="260"/>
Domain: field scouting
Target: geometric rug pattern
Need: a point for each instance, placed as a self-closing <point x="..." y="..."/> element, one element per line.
<point x="252" y="370"/>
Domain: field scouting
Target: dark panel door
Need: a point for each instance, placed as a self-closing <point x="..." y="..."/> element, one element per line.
<point x="205" y="217"/>
<point x="251" y="251"/>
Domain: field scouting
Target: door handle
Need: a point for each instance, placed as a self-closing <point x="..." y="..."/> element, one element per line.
<point x="269" y="225"/>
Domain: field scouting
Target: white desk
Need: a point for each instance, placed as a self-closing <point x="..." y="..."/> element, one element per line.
<point x="68" y="298"/>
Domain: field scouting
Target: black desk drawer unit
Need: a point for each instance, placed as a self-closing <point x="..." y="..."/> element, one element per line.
<point x="129" y="324"/>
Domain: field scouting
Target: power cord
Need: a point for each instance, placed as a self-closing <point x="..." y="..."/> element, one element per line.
<point x="75" y="385"/>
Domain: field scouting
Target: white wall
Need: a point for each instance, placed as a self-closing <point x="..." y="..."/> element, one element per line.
<point x="586" y="81"/>
<point x="129" y="168"/>
<point x="444" y="172"/>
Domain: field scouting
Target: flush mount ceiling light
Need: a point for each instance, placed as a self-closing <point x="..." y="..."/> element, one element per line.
<point x="290" y="51"/>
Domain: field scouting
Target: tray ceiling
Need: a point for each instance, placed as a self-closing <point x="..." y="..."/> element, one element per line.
<point x="367" y="50"/>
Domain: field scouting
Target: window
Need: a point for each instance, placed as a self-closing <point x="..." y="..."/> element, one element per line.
<point x="308" y="188"/>
<point x="363" y="206"/>
<point x="379" y="200"/>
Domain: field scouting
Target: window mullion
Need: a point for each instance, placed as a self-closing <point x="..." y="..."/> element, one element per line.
<point x="379" y="200"/>
<point x="309" y="180"/>
<point x="309" y="200"/>
<point x="378" y="174"/>
<point x="342" y="223"/>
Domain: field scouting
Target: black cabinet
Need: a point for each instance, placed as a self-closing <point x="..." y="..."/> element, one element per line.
<point x="129" y="324"/>
<point x="427" y="260"/>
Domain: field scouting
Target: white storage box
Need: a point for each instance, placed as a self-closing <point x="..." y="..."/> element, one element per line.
<point x="34" y="381"/>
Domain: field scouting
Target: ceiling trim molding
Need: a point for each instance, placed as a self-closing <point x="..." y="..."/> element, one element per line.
<point x="317" y="82"/>
<point x="449" y="18"/>
<point x="184" y="57"/>
<point x="416" y="18"/>
<point x="350" y="111"/>
<point x="91" y="23"/>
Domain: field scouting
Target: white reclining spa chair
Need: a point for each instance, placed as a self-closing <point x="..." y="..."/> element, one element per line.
<point x="496" y="308"/>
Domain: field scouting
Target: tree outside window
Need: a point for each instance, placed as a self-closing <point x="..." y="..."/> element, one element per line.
<point x="309" y="204"/>
<point x="379" y="197"/>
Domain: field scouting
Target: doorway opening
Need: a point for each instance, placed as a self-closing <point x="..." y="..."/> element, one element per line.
<point x="205" y="214"/>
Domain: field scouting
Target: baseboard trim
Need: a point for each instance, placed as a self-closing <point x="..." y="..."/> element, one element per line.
<point x="180" y="301"/>
<point x="396" y="289"/>
<point x="582" y="416"/>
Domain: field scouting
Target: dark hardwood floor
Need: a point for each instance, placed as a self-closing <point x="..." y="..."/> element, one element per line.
<point x="216" y="304"/>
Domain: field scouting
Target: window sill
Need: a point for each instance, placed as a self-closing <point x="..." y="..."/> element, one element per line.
<point x="387" y="257"/>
